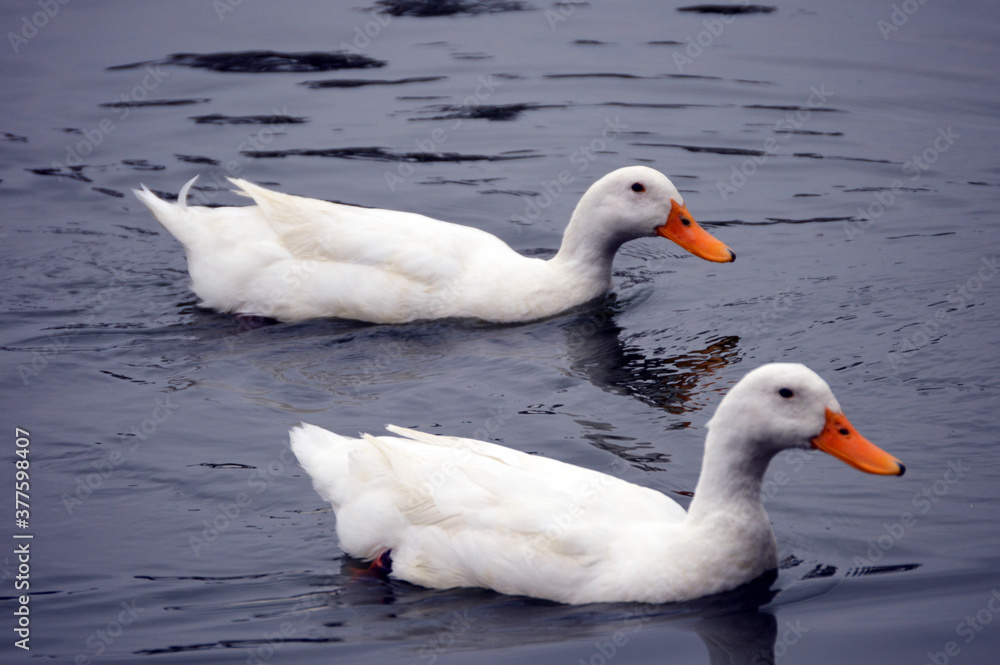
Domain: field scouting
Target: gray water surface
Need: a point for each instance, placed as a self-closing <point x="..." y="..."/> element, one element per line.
<point x="846" y="152"/>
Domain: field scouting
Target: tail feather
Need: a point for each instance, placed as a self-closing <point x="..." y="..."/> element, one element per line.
<point x="325" y="456"/>
<point x="170" y="215"/>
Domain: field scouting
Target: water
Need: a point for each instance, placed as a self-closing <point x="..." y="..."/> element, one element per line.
<point x="169" y="519"/>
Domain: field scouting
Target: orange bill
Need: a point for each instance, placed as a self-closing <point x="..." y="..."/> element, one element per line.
<point x="840" y="439"/>
<point x="683" y="230"/>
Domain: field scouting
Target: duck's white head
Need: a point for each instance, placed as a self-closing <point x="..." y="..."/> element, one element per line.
<point x="787" y="405"/>
<point x="637" y="202"/>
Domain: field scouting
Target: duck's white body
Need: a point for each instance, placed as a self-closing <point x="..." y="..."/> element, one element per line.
<point x="294" y="258"/>
<point x="454" y="512"/>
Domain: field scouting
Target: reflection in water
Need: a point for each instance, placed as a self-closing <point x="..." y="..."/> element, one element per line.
<point x="670" y="383"/>
<point x="732" y="626"/>
<point x="351" y="606"/>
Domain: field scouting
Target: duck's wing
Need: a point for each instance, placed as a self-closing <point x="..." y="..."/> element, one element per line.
<point x="461" y="512"/>
<point x="408" y="244"/>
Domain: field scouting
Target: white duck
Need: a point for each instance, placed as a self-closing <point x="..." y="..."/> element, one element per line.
<point x="293" y="258"/>
<point x="442" y="511"/>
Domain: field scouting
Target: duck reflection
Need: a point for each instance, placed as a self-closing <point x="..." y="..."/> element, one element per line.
<point x="732" y="626"/>
<point x="669" y="382"/>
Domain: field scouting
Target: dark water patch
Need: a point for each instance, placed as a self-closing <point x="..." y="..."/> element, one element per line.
<point x="472" y="56"/>
<point x="225" y="465"/>
<point x="665" y="42"/>
<point x="7" y="136"/>
<point x="420" y="98"/>
<point x="142" y="165"/>
<point x="237" y="644"/>
<point x="71" y="172"/>
<point x="657" y="105"/>
<point x="203" y="578"/>
<point x="783" y="220"/>
<point x="541" y="410"/>
<point x="359" y="83"/>
<point x="595" y="75"/>
<point x="807" y="132"/>
<point x="590" y="42"/>
<point x="881" y="570"/>
<point x="426" y="8"/>
<point x="109" y="192"/>
<point x="136" y="229"/>
<point x="219" y="119"/>
<point x="643" y="462"/>
<point x="708" y="149"/>
<point x="886" y="189"/>
<point x="754" y="81"/>
<point x="510" y="192"/>
<point x="921" y="235"/>
<point x="820" y="571"/>
<point x="728" y="10"/>
<point x="166" y="196"/>
<point x="122" y="377"/>
<point x="772" y="220"/>
<point x="195" y="159"/>
<point x="501" y="112"/>
<point x="693" y="76"/>
<point x="796" y="196"/>
<point x="380" y="155"/>
<point x="260" y="62"/>
<point x="790" y="561"/>
<point x="814" y="155"/>
<point x="154" y="102"/>
<point x="474" y="182"/>
<point x="784" y="107"/>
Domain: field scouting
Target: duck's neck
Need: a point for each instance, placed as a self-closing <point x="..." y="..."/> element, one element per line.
<point x="588" y="249"/>
<point x="731" y="477"/>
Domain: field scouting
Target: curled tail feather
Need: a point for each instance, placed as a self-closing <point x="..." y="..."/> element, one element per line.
<point x="170" y="215"/>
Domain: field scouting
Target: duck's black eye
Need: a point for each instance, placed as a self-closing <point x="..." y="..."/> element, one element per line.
<point x="685" y="221"/>
<point x="638" y="187"/>
<point x="786" y="393"/>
